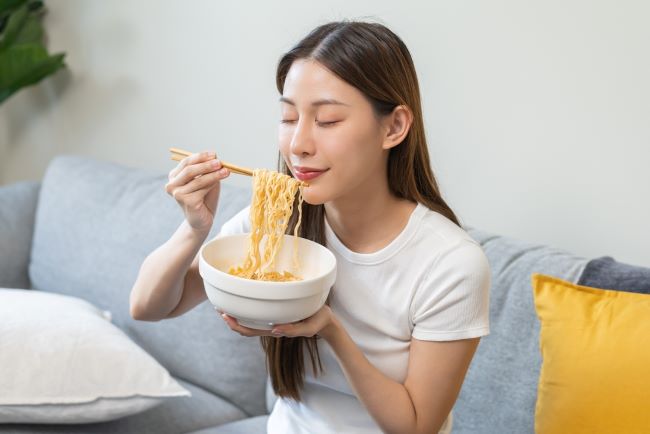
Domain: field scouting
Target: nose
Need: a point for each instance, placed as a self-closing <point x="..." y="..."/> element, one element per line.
<point x="302" y="141"/>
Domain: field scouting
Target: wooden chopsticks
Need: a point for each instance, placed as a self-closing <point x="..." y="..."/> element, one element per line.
<point x="179" y="154"/>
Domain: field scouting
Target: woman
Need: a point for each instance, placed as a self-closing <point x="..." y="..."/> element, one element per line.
<point x="390" y="349"/>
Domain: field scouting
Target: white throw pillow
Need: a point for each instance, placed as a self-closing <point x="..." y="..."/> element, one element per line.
<point x="63" y="361"/>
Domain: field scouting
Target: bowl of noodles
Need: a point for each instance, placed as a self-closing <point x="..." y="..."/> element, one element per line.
<point x="291" y="287"/>
<point x="267" y="276"/>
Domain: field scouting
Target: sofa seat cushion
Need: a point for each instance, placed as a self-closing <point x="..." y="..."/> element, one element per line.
<point x="252" y="425"/>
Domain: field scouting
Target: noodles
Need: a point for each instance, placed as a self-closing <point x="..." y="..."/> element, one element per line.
<point x="271" y="208"/>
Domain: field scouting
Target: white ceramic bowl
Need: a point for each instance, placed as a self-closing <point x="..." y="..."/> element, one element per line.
<point x="261" y="304"/>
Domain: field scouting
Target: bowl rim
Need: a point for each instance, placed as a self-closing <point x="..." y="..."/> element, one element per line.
<point x="328" y="276"/>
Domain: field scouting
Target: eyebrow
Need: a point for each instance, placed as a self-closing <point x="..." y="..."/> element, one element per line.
<point x="318" y="102"/>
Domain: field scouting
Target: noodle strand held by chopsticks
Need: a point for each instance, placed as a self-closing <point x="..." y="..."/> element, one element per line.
<point x="271" y="207"/>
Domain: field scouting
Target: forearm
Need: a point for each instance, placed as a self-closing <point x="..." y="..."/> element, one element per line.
<point x="159" y="285"/>
<point x="387" y="401"/>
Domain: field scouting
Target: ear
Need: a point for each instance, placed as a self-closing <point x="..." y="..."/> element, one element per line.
<point x="397" y="125"/>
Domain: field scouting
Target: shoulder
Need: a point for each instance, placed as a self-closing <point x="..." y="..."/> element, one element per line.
<point x="454" y="254"/>
<point x="464" y="258"/>
<point x="448" y="233"/>
<point x="444" y="240"/>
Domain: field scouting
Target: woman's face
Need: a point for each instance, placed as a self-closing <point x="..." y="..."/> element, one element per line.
<point x="329" y="135"/>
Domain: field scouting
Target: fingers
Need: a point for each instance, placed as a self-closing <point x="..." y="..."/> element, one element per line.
<point x="202" y="183"/>
<point x="195" y="173"/>
<point x="189" y="160"/>
<point x="292" y="330"/>
<point x="308" y="327"/>
<point x="242" y="330"/>
<point x="299" y="328"/>
<point x="191" y="167"/>
<point x="192" y="171"/>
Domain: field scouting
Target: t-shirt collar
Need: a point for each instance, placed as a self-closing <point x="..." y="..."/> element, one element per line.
<point x="382" y="254"/>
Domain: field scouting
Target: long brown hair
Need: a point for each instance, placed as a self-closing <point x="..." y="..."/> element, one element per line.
<point x="373" y="59"/>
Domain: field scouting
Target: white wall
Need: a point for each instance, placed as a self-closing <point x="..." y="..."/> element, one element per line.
<point x="537" y="112"/>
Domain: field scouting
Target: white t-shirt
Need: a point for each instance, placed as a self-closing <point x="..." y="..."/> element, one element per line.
<point x="430" y="283"/>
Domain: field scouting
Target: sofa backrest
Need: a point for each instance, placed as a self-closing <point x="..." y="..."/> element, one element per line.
<point x="500" y="389"/>
<point x="17" y="212"/>
<point x="95" y="224"/>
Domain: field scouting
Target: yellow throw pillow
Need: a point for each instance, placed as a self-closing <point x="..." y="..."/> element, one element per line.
<point x="595" y="344"/>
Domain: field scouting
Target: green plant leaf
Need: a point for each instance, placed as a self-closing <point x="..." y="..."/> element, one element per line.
<point x="14" y="27"/>
<point x="7" y="6"/>
<point x="24" y="60"/>
<point x="31" y="32"/>
<point x="25" y="65"/>
<point x="35" y="6"/>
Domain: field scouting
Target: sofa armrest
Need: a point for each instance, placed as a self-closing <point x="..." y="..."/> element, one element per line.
<point x="17" y="213"/>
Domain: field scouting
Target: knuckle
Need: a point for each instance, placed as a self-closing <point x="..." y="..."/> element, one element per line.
<point x="206" y="179"/>
<point x="192" y="171"/>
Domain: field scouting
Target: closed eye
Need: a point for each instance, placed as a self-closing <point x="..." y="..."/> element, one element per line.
<point x="287" y="121"/>
<point x="326" y="124"/>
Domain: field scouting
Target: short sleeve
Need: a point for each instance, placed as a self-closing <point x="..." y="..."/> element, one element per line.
<point x="237" y="224"/>
<point x="453" y="300"/>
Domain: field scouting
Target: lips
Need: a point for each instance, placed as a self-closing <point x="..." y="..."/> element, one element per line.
<point x="308" y="173"/>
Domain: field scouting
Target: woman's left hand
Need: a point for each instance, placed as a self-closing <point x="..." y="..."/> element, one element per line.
<point x="317" y="324"/>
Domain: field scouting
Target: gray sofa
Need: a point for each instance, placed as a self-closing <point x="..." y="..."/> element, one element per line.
<point x="86" y="228"/>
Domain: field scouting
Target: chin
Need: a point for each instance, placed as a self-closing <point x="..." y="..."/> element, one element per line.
<point x="312" y="196"/>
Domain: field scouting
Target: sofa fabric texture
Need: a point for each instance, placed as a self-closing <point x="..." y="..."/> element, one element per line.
<point x="607" y="273"/>
<point x="17" y="212"/>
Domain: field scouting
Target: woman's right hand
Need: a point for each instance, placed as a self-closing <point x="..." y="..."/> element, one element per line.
<point x="195" y="184"/>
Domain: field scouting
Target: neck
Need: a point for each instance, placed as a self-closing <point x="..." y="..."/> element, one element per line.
<point x="369" y="219"/>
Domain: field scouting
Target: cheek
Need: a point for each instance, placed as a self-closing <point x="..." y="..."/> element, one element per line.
<point x="284" y="146"/>
<point x="353" y="150"/>
<point x="350" y="157"/>
<point x="284" y="140"/>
